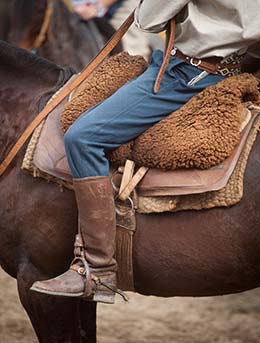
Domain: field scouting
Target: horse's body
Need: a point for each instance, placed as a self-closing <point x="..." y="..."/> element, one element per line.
<point x="195" y="253"/>
<point x="5" y="19"/>
<point x="68" y="40"/>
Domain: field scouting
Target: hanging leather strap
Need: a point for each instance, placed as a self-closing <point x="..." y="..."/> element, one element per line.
<point x="39" y="40"/>
<point x="167" y="55"/>
<point x="114" y="40"/>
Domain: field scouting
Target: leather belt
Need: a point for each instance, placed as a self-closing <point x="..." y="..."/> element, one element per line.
<point x="212" y="65"/>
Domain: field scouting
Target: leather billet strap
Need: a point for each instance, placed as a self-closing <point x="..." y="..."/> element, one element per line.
<point x="114" y="40"/>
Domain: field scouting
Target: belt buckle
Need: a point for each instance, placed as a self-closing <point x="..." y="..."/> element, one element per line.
<point x="174" y="51"/>
<point x="195" y="64"/>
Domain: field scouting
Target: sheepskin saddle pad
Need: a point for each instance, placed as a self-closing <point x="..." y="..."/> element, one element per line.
<point x="201" y="134"/>
<point x="209" y="125"/>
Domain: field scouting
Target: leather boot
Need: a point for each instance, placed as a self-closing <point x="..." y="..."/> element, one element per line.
<point x="92" y="274"/>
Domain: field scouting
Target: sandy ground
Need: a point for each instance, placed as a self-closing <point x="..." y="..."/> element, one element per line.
<point x="228" y="319"/>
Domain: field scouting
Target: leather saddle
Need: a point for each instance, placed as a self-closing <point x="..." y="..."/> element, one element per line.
<point x="50" y="158"/>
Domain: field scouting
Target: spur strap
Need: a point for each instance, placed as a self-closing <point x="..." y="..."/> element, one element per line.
<point x="114" y="40"/>
<point x="91" y="277"/>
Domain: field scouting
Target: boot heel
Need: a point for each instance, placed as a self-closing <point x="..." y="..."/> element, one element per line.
<point x="104" y="297"/>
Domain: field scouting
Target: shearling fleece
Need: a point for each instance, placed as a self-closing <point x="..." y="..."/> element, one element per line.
<point x="201" y="134"/>
<point x="103" y="82"/>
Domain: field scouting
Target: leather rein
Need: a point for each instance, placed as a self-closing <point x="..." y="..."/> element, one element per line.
<point x="109" y="46"/>
<point x="44" y="28"/>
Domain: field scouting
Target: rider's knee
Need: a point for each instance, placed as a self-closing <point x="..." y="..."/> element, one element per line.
<point x="72" y="137"/>
<point x="78" y="136"/>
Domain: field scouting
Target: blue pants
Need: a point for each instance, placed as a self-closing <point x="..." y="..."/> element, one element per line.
<point x="128" y="113"/>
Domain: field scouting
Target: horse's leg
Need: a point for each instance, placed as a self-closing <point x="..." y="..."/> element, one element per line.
<point x="56" y="319"/>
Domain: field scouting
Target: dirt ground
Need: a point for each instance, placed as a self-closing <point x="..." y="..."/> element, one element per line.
<point x="228" y="319"/>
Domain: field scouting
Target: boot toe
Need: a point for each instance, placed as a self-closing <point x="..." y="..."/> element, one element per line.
<point x="70" y="284"/>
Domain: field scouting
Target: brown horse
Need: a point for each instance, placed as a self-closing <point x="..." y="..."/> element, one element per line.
<point x="5" y="19"/>
<point x="192" y="253"/>
<point x="67" y="39"/>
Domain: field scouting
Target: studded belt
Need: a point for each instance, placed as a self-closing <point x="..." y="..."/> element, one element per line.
<point x="228" y="66"/>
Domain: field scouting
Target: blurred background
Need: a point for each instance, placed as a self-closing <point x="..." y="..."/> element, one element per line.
<point x="72" y="32"/>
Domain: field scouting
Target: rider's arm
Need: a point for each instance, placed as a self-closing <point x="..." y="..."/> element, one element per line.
<point x="153" y="15"/>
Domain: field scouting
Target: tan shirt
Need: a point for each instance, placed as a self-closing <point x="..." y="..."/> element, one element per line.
<point x="205" y="28"/>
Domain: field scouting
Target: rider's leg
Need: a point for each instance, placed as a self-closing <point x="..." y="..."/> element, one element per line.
<point x="117" y="120"/>
<point x="129" y="112"/>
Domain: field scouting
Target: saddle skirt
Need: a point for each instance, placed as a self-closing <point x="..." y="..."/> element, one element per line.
<point x="47" y="158"/>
